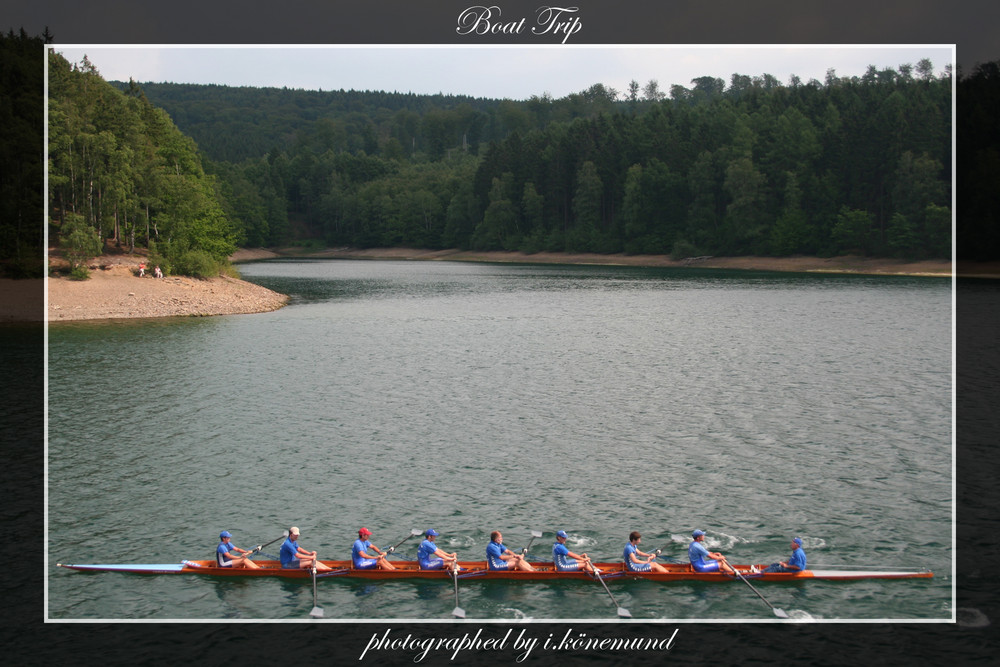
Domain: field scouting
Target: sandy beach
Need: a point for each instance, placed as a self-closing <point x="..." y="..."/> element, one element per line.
<point x="115" y="292"/>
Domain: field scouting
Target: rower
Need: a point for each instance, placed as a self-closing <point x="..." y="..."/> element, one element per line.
<point x="430" y="557"/>
<point x="293" y="556"/>
<point x="224" y="553"/>
<point x="567" y="561"/>
<point x="360" y="557"/>
<point x="703" y="560"/>
<point x="499" y="557"/>
<point x="634" y="557"/>
<point x="796" y="563"/>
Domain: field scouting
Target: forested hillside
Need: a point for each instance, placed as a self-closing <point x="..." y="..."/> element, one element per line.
<point x="859" y="165"/>
<point x="121" y="171"/>
<point x="849" y="165"/>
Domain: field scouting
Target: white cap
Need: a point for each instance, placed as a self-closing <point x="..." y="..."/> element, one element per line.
<point x="294" y="530"/>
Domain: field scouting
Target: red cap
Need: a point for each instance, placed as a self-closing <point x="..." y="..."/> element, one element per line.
<point x="364" y="531"/>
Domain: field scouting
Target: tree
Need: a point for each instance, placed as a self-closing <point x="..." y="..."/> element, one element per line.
<point x="633" y="214"/>
<point x="852" y="231"/>
<point x="79" y="241"/>
<point x="743" y="186"/>
<point x="904" y="239"/>
<point x="460" y="218"/>
<point x="586" y="208"/>
<point x="651" y="91"/>
<point x="499" y="222"/>
<point x="790" y="231"/>
<point x="925" y="69"/>
<point x="533" y="214"/>
<point x="703" y="212"/>
<point x="938" y="230"/>
<point x="633" y="91"/>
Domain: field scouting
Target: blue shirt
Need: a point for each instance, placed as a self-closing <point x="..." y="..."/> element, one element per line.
<point x="426" y="551"/>
<point x="222" y="550"/>
<point x="629" y="550"/>
<point x="697" y="552"/>
<point x="493" y="553"/>
<point x="798" y="559"/>
<point x="560" y="554"/>
<point x="288" y="552"/>
<point x="360" y="547"/>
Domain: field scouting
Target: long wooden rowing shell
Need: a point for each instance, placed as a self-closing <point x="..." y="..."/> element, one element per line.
<point x="478" y="570"/>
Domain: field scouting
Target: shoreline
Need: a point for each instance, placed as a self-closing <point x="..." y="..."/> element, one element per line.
<point x="114" y="291"/>
<point x="800" y="264"/>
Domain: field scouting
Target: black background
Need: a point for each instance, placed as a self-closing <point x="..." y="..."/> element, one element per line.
<point x="970" y="25"/>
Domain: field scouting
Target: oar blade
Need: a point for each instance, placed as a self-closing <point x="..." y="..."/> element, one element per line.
<point x="780" y="613"/>
<point x="536" y="533"/>
<point x="317" y="612"/>
<point x="624" y="613"/>
<point x="458" y="612"/>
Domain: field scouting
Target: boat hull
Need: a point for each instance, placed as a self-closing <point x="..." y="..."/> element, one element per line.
<point x="477" y="570"/>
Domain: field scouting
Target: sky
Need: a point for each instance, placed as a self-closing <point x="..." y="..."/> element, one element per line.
<point x="513" y="72"/>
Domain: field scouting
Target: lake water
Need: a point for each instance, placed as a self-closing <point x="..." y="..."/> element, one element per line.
<point x="473" y="397"/>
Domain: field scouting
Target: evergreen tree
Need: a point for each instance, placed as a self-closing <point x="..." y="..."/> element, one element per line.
<point x="586" y="209"/>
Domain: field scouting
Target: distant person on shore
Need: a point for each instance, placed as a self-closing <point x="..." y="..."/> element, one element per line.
<point x="795" y="563"/>
<point x="360" y="557"/>
<point x="157" y="273"/>
<point x="639" y="561"/>
<point x="224" y="553"/>
<point x="142" y="270"/>
<point x="567" y="561"/>
<point x="293" y="556"/>
<point x="499" y="557"/>
<point x="703" y="560"/>
<point x="430" y="557"/>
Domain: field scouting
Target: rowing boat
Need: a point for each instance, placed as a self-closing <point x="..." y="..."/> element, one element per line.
<point x="478" y="570"/>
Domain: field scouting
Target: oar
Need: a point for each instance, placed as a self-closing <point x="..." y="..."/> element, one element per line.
<point x="660" y="551"/>
<point x="413" y="532"/>
<point x="317" y="611"/>
<point x="534" y="534"/>
<point x="457" y="612"/>
<point x="780" y="613"/>
<point x="257" y="548"/>
<point x="624" y="613"/>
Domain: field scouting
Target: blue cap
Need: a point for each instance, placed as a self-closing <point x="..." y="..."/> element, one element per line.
<point x="798" y="541"/>
<point x="224" y="533"/>
<point x="698" y="533"/>
<point x="562" y="533"/>
<point x="431" y="531"/>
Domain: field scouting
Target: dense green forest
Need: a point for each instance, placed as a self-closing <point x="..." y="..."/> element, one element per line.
<point x="867" y="143"/>
<point x="859" y="164"/>
<point x="849" y="165"/>
<point x="120" y="170"/>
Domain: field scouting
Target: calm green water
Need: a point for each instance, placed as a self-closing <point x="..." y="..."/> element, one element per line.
<point x="474" y="397"/>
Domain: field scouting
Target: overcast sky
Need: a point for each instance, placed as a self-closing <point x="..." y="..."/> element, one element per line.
<point x="515" y="72"/>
